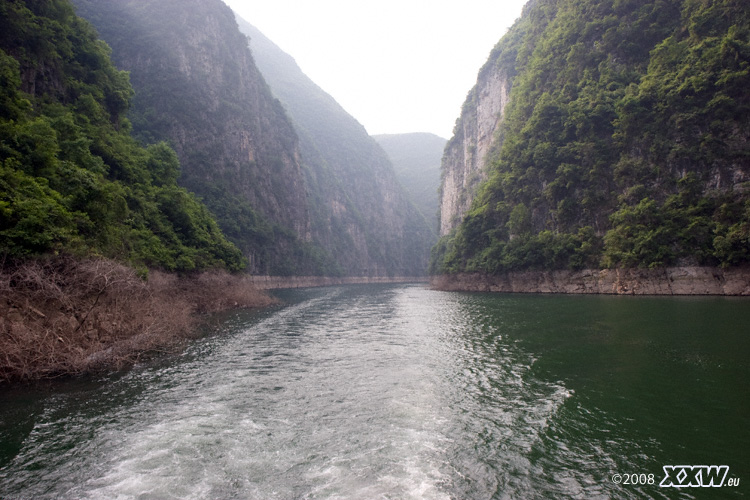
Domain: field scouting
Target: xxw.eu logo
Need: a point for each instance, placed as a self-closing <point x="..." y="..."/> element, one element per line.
<point x="697" y="476"/>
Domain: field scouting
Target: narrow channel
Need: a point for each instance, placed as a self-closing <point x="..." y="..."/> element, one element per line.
<point x="398" y="391"/>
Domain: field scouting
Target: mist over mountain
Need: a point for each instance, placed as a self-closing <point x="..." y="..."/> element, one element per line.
<point x="360" y="212"/>
<point x="604" y="134"/>
<point x="416" y="159"/>
<point x="296" y="183"/>
<point x="197" y="87"/>
<point x="598" y="134"/>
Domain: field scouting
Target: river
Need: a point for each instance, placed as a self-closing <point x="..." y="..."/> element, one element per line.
<point x="401" y="392"/>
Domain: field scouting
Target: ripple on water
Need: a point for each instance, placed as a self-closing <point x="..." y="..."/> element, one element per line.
<point x="351" y="392"/>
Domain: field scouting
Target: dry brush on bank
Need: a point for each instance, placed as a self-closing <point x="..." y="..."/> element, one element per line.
<point x="63" y="316"/>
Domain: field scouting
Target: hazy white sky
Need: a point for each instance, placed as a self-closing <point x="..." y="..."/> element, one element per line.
<point x="395" y="65"/>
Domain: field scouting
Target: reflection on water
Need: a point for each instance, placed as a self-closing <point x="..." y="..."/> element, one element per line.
<point x="402" y="392"/>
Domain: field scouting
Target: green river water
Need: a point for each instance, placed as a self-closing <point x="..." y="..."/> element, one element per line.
<point x="401" y="392"/>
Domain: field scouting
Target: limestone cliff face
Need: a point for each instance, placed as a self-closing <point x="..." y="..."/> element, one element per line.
<point x="478" y="133"/>
<point x="310" y="194"/>
<point x="198" y="88"/>
<point x="463" y="166"/>
<point x="667" y="281"/>
<point x="361" y="214"/>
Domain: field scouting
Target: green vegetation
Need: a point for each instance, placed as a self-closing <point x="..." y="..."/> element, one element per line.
<point x="72" y="180"/>
<point x="624" y="143"/>
<point x="198" y="89"/>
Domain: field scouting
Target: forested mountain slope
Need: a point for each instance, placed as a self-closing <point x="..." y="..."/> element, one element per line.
<point x="359" y="212"/>
<point x="623" y="141"/>
<point x="321" y="202"/>
<point x="197" y="87"/>
<point x="72" y="180"/>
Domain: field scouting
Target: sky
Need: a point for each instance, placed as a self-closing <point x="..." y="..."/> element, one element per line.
<point x="397" y="66"/>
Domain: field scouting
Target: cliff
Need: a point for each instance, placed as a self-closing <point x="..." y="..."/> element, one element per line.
<point x="360" y="213"/>
<point x="86" y="213"/>
<point x="197" y="87"/>
<point x="604" y="135"/>
<point x="464" y="164"/>
<point x="416" y="160"/>
<point x="306" y="192"/>
<point x="478" y="133"/>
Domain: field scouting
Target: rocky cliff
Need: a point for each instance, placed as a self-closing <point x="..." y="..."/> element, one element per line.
<point x="72" y="179"/>
<point x="464" y="164"/>
<point x="621" y="142"/>
<point x="197" y="87"/>
<point x="478" y="134"/>
<point x="360" y="213"/>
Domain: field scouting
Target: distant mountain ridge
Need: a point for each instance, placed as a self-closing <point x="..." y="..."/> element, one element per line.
<point x="308" y="195"/>
<point x="416" y="158"/>
<point x="360" y="211"/>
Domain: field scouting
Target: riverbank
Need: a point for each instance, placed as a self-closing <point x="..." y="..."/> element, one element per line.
<point x="666" y="281"/>
<point x="63" y="316"/>
<point x="276" y="282"/>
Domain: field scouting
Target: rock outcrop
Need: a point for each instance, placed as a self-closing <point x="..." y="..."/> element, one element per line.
<point x="667" y="281"/>
<point x="594" y="138"/>
<point x="467" y="153"/>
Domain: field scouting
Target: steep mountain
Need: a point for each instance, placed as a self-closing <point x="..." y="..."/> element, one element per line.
<point x="359" y="211"/>
<point x="72" y="179"/>
<point x="416" y="159"/>
<point x="620" y="139"/>
<point x="465" y="163"/>
<point x="197" y="87"/>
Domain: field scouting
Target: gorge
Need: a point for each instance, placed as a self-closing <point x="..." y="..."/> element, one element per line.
<point x="172" y="156"/>
<point x="296" y="182"/>
<point x="603" y="150"/>
<point x="213" y="280"/>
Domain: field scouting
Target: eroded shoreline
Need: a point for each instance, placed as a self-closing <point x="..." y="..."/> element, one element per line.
<point x="63" y="316"/>
<point x="665" y="281"/>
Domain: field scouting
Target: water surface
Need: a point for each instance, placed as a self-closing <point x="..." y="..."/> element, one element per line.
<point x="400" y="392"/>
